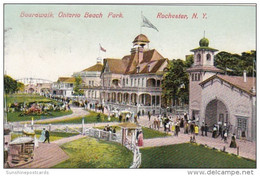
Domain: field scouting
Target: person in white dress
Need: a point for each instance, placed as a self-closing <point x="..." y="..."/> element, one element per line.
<point x="42" y="137"/>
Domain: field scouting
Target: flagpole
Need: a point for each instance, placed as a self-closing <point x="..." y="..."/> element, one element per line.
<point x="141" y="22"/>
<point x="99" y="51"/>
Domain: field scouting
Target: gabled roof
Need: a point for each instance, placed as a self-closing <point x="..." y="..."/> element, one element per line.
<point x="236" y="81"/>
<point x="95" y="68"/>
<point x="66" y="79"/>
<point x="115" y="65"/>
<point x="151" y="57"/>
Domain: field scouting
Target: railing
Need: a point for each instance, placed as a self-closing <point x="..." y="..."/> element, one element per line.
<point x="65" y="129"/>
<point x="96" y="133"/>
<point x="137" y="159"/>
<point x="109" y="136"/>
<point x="104" y="135"/>
<point x="135" y="89"/>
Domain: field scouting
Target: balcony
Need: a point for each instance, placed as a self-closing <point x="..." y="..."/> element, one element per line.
<point x="134" y="89"/>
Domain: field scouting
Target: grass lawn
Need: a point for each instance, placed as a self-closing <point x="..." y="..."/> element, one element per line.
<point x="190" y="156"/>
<point x="14" y="116"/>
<point x="150" y="133"/>
<point x="20" y="98"/>
<point x="147" y="132"/>
<point x="92" y="153"/>
<point x="53" y="135"/>
<point x="90" y="118"/>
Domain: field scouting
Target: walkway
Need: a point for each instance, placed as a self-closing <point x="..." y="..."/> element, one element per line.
<point x="246" y="149"/>
<point x="49" y="155"/>
<point x="76" y="112"/>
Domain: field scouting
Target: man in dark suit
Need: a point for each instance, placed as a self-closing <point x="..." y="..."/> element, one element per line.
<point x="206" y="129"/>
<point x="47" y="136"/>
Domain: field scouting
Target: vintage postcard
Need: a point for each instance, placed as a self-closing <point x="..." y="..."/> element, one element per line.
<point x="130" y="86"/>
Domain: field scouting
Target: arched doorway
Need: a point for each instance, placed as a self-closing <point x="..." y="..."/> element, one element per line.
<point x="31" y="90"/>
<point x="216" y="111"/>
<point x="151" y="82"/>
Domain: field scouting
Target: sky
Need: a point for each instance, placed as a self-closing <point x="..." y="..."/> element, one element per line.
<point x="49" y="48"/>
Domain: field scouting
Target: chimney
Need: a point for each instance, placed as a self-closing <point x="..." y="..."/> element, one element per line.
<point x="244" y="76"/>
<point x="140" y="54"/>
<point x="133" y="50"/>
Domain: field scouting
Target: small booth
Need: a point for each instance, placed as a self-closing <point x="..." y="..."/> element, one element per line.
<point x="129" y="132"/>
<point x="21" y="151"/>
<point x="126" y="115"/>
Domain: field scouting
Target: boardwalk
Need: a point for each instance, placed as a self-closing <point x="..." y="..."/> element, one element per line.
<point x="246" y="149"/>
<point x="48" y="155"/>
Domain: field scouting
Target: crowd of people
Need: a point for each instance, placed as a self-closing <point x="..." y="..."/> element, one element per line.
<point x="192" y="127"/>
<point x="109" y="128"/>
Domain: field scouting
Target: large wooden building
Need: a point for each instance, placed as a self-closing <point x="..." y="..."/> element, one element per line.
<point x="134" y="82"/>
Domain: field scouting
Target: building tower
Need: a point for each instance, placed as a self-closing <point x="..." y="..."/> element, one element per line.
<point x="202" y="68"/>
<point x="140" y="44"/>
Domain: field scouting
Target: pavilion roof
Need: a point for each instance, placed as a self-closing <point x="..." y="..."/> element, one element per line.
<point x="129" y="125"/>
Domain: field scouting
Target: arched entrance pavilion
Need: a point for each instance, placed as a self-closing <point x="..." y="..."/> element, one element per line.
<point x="216" y="111"/>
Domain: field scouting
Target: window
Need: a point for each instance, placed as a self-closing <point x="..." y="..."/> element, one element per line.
<point x="208" y="57"/>
<point x="198" y="77"/>
<point x="123" y="81"/>
<point x="89" y="83"/>
<point x="198" y="58"/>
<point x="126" y="81"/>
<point x="192" y="77"/>
<point x="242" y="124"/>
<point x="132" y="82"/>
<point x="138" y="82"/>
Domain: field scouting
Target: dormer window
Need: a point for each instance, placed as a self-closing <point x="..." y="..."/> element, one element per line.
<point x="149" y="67"/>
<point x="138" y="69"/>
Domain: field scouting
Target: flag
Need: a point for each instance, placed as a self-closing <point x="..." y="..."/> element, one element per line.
<point x="147" y="23"/>
<point x="102" y="49"/>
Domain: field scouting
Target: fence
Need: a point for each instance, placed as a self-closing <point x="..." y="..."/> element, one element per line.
<point x="137" y="155"/>
<point x="64" y="128"/>
<point x="104" y="135"/>
<point x="109" y="136"/>
<point x="96" y="133"/>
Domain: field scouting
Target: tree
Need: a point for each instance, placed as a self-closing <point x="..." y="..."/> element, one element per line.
<point x="20" y="87"/>
<point x="78" y="82"/>
<point x="175" y="82"/>
<point x="235" y="64"/>
<point x="10" y="85"/>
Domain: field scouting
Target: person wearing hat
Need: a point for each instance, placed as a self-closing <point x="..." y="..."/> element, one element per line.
<point x="214" y="132"/>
